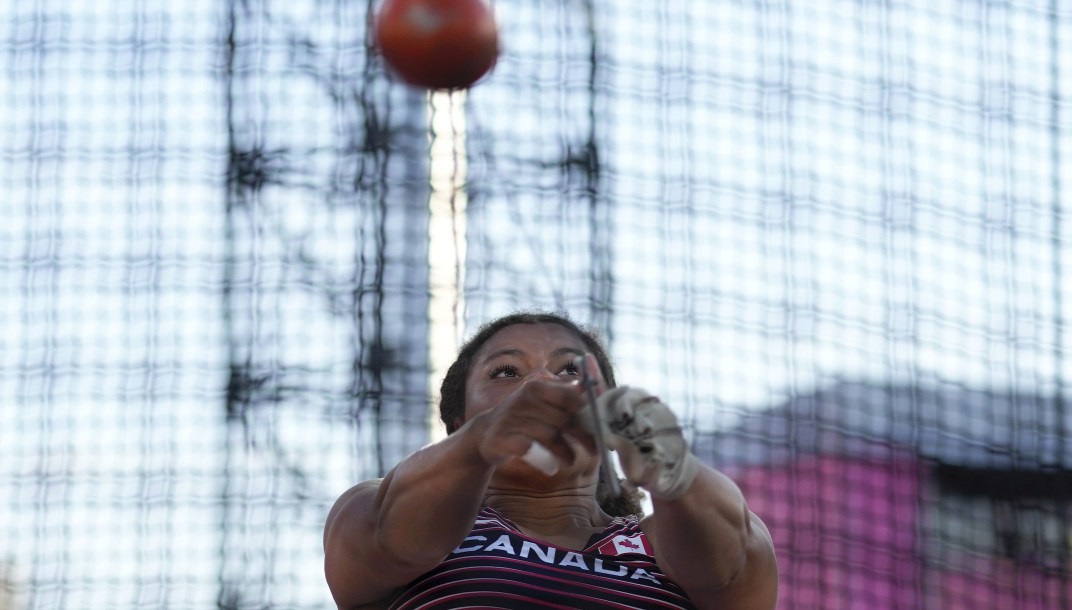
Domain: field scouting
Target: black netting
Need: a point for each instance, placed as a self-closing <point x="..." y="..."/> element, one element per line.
<point x="833" y="235"/>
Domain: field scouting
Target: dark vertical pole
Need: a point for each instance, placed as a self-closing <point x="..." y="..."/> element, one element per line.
<point x="599" y="253"/>
<point x="389" y="142"/>
<point x="226" y="596"/>
<point x="1064" y="435"/>
<point x="1055" y="219"/>
<point x="369" y="352"/>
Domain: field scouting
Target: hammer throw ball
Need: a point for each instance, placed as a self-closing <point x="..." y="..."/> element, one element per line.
<point x="438" y="44"/>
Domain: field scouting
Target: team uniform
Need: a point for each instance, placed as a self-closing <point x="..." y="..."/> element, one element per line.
<point x="497" y="566"/>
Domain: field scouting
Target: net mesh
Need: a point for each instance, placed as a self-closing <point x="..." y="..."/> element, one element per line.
<point x="835" y="237"/>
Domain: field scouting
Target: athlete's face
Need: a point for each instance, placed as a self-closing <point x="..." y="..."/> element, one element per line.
<point x="518" y="353"/>
<point x="515" y="354"/>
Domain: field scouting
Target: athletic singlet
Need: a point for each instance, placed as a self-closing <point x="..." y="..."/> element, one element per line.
<point x="497" y="566"/>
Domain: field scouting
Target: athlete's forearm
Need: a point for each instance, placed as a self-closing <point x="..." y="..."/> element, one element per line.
<point x="382" y="534"/>
<point x="702" y="537"/>
<point x="701" y="528"/>
<point x="427" y="504"/>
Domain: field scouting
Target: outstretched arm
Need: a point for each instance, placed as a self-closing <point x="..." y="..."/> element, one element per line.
<point x="705" y="537"/>
<point x="714" y="547"/>
<point x="381" y="535"/>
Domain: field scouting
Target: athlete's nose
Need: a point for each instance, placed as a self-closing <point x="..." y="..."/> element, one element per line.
<point x="541" y="372"/>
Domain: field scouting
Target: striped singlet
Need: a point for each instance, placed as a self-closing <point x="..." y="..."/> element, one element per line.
<point x="497" y="566"/>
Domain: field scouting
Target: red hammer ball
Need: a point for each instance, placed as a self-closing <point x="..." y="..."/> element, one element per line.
<point x="438" y="44"/>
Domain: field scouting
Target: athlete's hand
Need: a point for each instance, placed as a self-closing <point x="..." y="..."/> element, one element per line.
<point x="534" y="423"/>
<point x="651" y="448"/>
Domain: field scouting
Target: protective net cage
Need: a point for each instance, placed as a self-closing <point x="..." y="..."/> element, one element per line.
<point x="833" y="235"/>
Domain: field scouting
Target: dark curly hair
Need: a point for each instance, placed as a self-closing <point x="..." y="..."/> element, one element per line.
<point x="452" y="390"/>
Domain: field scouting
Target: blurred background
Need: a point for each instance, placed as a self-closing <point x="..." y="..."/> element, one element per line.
<point x="236" y="256"/>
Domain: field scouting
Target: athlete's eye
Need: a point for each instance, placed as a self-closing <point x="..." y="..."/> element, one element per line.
<point x="570" y="370"/>
<point x="502" y="371"/>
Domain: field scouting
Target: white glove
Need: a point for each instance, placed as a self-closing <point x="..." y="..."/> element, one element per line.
<point x="651" y="447"/>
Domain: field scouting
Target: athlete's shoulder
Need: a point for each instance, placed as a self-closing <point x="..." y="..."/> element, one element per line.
<point x="369" y="487"/>
<point x="362" y="489"/>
